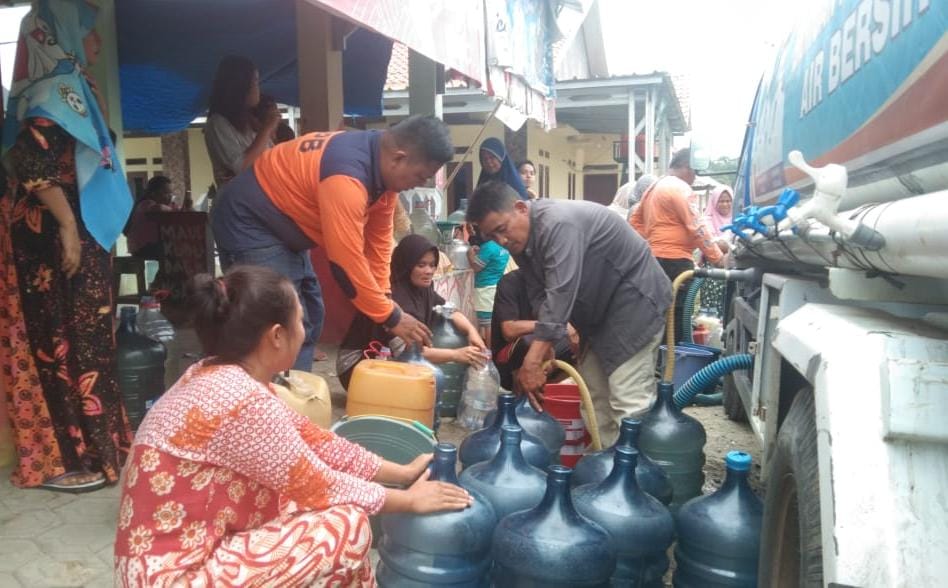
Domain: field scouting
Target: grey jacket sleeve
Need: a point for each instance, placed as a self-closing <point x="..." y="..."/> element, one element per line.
<point x="560" y="252"/>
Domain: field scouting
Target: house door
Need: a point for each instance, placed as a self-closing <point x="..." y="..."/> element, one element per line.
<point x="600" y="188"/>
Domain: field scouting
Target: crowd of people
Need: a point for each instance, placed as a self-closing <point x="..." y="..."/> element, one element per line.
<point x="220" y="468"/>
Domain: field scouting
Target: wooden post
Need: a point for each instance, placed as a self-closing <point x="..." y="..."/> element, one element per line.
<point x="319" y="55"/>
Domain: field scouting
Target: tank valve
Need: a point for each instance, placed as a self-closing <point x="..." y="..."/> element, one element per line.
<point x="829" y="187"/>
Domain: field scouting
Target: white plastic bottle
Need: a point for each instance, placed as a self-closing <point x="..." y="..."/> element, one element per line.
<point x="152" y="323"/>
<point x="480" y="394"/>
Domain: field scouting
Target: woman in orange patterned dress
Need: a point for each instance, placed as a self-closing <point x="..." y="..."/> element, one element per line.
<point x="67" y="206"/>
<point x="226" y="486"/>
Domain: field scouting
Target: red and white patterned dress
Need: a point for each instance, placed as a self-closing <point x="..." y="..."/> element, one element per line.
<point x="226" y="486"/>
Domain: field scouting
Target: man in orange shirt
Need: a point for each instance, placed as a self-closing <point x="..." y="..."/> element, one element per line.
<point x="667" y="217"/>
<point x="336" y="190"/>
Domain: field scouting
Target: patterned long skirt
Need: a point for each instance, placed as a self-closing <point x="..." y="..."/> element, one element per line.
<point x="62" y="394"/>
<point x="297" y="548"/>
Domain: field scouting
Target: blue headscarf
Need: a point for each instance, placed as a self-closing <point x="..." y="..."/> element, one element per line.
<point x="508" y="171"/>
<point x="48" y="83"/>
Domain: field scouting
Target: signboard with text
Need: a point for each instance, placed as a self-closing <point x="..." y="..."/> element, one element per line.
<point x="188" y="249"/>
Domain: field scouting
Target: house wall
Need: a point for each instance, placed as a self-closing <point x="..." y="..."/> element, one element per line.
<point x="147" y="148"/>
<point x="564" y="150"/>
<point x="202" y="176"/>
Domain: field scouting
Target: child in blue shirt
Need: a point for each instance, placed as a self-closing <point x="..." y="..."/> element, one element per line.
<point x="488" y="260"/>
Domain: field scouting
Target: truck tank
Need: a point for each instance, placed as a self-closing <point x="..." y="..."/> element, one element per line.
<point x="862" y="83"/>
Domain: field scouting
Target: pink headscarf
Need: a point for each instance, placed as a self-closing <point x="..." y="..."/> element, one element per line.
<point x="715" y="220"/>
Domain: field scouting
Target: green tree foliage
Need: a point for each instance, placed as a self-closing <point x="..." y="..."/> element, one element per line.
<point x="723" y="169"/>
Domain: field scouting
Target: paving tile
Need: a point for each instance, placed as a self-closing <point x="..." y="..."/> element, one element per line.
<point x="101" y="581"/>
<point x="47" y="572"/>
<point x="9" y="581"/>
<point x="6" y="513"/>
<point x="14" y="553"/>
<point x="6" y="488"/>
<point x="107" y="554"/>
<point x="90" y="509"/>
<point x="114" y="491"/>
<point x="30" y="523"/>
<point x="76" y="539"/>
<point x="31" y="498"/>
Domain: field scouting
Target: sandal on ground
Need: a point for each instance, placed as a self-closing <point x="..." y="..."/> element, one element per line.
<point x="320" y="356"/>
<point x="75" y="482"/>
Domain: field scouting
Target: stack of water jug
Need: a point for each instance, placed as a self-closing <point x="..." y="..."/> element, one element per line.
<point x="609" y="522"/>
<point x="141" y="352"/>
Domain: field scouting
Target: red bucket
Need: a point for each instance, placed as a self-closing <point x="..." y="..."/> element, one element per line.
<point x="563" y="402"/>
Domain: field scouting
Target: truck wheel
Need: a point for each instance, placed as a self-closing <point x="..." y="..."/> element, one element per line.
<point x="791" y="552"/>
<point x="731" y="398"/>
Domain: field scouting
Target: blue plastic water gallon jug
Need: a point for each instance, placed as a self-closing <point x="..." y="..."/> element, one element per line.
<point x="719" y="534"/>
<point x="641" y="527"/>
<point x="674" y="441"/>
<point x="594" y="467"/>
<point x="483" y="445"/>
<point x="440" y="549"/>
<point x="140" y="367"/>
<point x="412" y="354"/>
<point x="508" y="481"/>
<point x="552" y="545"/>
<point x="539" y="424"/>
<point x="444" y="335"/>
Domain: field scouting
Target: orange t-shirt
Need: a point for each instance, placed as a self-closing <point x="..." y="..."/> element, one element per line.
<point x="668" y="220"/>
<point x="323" y="181"/>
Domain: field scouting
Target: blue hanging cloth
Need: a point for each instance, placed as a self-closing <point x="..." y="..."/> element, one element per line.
<point x="48" y="83"/>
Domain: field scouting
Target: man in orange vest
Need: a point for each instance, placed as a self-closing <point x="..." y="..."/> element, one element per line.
<point x="337" y="190"/>
<point x="667" y="217"/>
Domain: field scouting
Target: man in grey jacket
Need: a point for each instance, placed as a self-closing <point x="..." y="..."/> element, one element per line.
<point x="592" y="270"/>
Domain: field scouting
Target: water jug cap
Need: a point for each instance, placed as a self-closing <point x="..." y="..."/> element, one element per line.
<point x="627" y="452"/>
<point x="512" y="433"/>
<point x="559" y="473"/>
<point x="738" y="461"/>
<point x="630" y="423"/>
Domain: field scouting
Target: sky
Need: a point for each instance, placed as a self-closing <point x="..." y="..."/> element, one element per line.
<point x="9" y="28"/>
<point x="721" y="46"/>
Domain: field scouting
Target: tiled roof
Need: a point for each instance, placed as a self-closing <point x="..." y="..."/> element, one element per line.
<point x="683" y="92"/>
<point x="397" y="77"/>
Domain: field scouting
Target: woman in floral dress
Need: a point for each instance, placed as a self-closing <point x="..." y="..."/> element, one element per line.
<point x="227" y="486"/>
<point x="67" y="207"/>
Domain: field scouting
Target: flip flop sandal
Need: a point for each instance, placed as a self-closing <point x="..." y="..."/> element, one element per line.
<point x="320" y="355"/>
<point x="56" y="485"/>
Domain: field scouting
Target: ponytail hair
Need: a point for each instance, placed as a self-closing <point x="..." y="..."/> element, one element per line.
<point x="232" y="313"/>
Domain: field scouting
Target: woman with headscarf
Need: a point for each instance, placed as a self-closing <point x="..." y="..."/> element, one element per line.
<point x="414" y="262"/>
<point x="629" y="194"/>
<point x="69" y="205"/>
<point x="718" y="212"/>
<point x="497" y="166"/>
